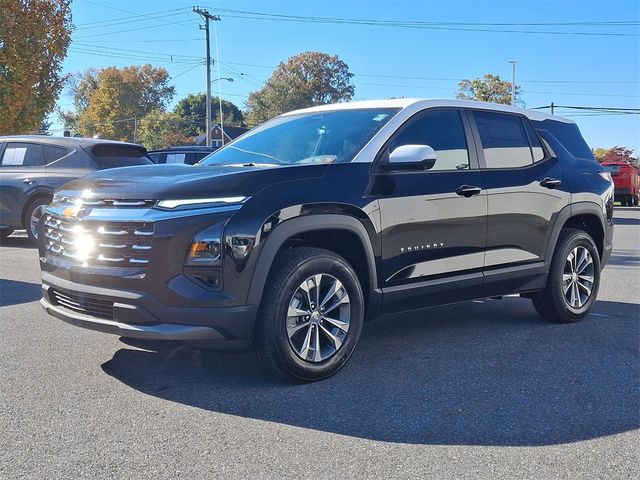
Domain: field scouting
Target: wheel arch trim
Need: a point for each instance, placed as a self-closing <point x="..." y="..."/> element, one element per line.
<point x="294" y="226"/>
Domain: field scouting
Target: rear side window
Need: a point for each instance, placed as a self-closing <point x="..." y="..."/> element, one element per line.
<point x="18" y="154"/>
<point x="504" y="140"/>
<point x="176" y="157"/>
<point x="569" y="135"/>
<point x="536" y="147"/>
<point x="443" y="131"/>
<point x="112" y="156"/>
<point x="52" y="153"/>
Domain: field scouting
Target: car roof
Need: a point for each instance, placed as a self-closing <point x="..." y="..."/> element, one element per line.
<point x="432" y="102"/>
<point x="183" y="147"/>
<point x="69" y="142"/>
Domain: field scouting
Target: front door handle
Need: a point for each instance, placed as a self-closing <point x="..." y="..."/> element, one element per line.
<point x="550" y="182"/>
<point x="468" y="191"/>
<point x="28" y="181"/>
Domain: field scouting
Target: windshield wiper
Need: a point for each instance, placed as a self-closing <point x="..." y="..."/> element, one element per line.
<point x="259" y="154"/>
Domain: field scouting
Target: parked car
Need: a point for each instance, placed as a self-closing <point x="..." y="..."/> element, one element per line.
<point x="626" y="178"/>
<point x="287" y="238"/>
<point x="189" y="155"/>
<point x="33" y="166"/>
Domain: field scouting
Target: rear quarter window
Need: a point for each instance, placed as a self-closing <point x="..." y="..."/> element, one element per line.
<point x="114" y="155"/>
<point x="569" y="135"/>
<point x="53" y="153"/>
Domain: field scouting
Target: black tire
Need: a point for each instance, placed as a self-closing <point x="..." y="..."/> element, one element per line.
<point x="272" y="345"/>
<point x="5" y="232"/>
<point x="551" y="303"/>
<point x="34" y="206"/>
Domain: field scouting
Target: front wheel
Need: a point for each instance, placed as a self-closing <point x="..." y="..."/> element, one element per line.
<point x="311" y="315"/>
<point x="574" y="278"/>
<point x="33" y="215"/>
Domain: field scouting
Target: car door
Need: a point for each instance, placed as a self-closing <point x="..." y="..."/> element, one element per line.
<point x="22" y="172"/>
<point x="433" y="222"/>
<point x="525" y="196"/>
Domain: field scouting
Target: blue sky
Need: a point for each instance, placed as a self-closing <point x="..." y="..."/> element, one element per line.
<point x="567" y="69"/>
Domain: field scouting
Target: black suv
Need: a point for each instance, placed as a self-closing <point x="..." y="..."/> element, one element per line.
<point x="289" y="237"/>
<point x="33" y="166"/>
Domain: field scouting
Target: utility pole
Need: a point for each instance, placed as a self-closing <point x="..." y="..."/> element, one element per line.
<point x="207" y="17"/>
<point x="513" y="82"/>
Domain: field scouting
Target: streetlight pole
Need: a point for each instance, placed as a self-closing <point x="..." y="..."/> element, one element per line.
<point x="513" y="82"/>
<point x="228" y="79"/>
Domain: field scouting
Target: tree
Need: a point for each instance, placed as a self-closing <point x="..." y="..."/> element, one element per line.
<point x="305" y="80"/>
<point x="490" y="88"/>
<point x="163" y="129"/>
<point x="110" y="102"/>
<point x="615" y="154"/>
<point x="193" y="108"/>
<point x="34" y="36"/>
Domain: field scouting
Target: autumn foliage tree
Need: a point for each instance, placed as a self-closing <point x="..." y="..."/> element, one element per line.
<point x="615" y="154"/>
<point x="193" y="109"/>
<point x="490" y="88"/>
<point x="164" y="129"/>
<point x="305" y="80"/>
<point x="110" y="102"/>
<point x="34" y="36"/>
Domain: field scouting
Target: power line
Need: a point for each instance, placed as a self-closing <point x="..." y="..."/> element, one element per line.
<point x="454" y="26"/>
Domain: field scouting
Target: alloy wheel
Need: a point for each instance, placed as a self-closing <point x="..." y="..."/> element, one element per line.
<point x="35" y="218"/>
<point x="318" y="318"/>
<point x="578" y="277"/>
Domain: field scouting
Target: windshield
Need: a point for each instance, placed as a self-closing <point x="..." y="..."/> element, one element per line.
<point x="614" y="169"/>
<point x="306" y="138"/>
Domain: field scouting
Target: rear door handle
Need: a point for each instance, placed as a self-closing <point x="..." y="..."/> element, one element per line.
<point x="550" y="182"/>
<point x="28" y="181"/>
<point x="468" y="190"/>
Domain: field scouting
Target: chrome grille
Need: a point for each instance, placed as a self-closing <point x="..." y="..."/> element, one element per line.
<point x="84" y="304"/>
<point x="93" y="243"/>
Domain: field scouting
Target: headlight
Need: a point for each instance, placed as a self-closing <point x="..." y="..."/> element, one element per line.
<point x="206" y="247"/>
<point x="200" y="202"/>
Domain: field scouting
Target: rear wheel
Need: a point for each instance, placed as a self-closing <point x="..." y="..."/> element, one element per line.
<point x="311" y="315"/>
<point x="574" y="278"/>
<point x="32" y="216"/>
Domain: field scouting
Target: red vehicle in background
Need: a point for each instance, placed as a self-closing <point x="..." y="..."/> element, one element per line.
<point x="626" y="179"/>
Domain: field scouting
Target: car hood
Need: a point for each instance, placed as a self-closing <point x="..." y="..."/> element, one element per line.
<point x="162" y="182"/>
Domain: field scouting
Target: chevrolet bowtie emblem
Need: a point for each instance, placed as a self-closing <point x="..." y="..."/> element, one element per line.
<point x="74" y="211"/>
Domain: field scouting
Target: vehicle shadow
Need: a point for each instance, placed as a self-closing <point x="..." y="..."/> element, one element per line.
<point x="625" y="258"/>
<point x="478" y="373"/>
<point x="18" y="240"/>
<point x="13" y="292"/>
<point x="626" y="221"/>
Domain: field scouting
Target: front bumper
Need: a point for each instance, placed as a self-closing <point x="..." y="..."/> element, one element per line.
<point x="140" y="315"/>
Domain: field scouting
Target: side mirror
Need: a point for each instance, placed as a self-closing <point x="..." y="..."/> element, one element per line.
<point x="411" y="157"/>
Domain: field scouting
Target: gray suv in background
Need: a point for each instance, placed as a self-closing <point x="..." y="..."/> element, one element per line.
<point x="33" y="166"/>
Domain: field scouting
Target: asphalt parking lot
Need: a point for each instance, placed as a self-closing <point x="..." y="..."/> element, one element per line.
<point x="476" y="390"/>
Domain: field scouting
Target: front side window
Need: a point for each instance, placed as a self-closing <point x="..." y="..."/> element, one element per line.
<point x="443" y="131"/>
<point x="504" y="140"/>
<point x="22" y="155"/>
<point x="306" y="138"/>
